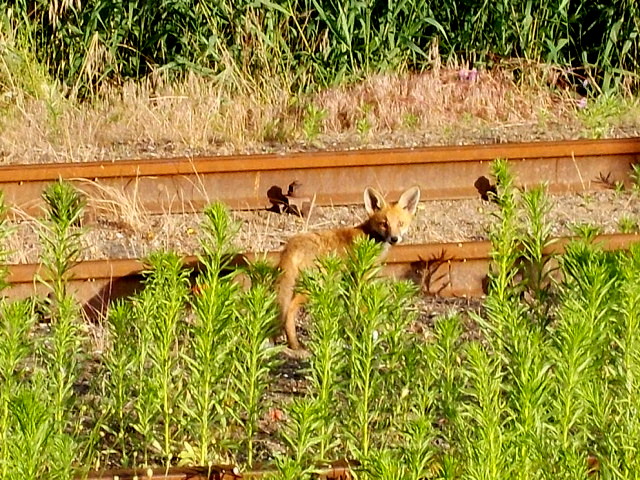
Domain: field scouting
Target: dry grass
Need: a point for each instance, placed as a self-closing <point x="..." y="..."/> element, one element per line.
<point x="121" y="207"/>
<point x="201" y="116"/>
<point x="436" y="99"/>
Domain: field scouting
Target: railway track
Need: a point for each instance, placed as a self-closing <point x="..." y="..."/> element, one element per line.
<point x="337" y="471"/>
<point x="188" y="184"/>
<point x="446" y="269"/>
<point x="256" y="181"/>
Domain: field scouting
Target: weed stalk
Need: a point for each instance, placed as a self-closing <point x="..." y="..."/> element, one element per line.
<point x="165" y="297"/>
<point x="254" y="357"/>
<point x="327" y="308"/>
<point x="366" y="303"/>
<point x="60" y="235"/>
<point x="216" y="294"/>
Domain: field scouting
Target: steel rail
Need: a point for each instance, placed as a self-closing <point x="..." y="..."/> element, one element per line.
<point x="330" y="178"/>
<point x="338" y="471"/>
<point x="446" y="269"/>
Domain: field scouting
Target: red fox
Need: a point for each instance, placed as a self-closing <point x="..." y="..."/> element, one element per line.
<point x="386" y="224"/>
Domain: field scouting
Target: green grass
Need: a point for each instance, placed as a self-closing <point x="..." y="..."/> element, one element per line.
<point x="542" y="382"/>
<point x="83" y="44"/>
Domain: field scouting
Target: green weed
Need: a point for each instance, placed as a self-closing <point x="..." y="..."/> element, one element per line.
<point x="162" y="306"/>
<point x="211" y="342"/>
<point x="628" y="224"/>
<point x="411" y="121"/>
<point x="326" y="304"/>
<point x="312" y="123"/>
<point x="597" y="116"/>
<point x="117" y="382"/>
<point x="635" y="177"/>
<point x="5" y="232"/>
<point x="254" y="359"/>
<point x="60" y="235"/>
<point x="586" y="231"/>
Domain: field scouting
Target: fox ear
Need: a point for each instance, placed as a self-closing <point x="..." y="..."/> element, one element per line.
<point x="409" y="200"/>
<point x="373" y="201"/>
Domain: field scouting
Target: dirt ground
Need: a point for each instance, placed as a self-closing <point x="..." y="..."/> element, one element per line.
<point x="260" y="231"/>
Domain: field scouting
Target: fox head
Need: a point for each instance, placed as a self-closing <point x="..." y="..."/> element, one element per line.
<point x="389" y="223"/>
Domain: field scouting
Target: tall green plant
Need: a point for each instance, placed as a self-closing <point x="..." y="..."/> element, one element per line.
<point x="315" y="41"/>
<point x="147" y="405"/>
<point x="623" y="434"/>
<point x="328" y="310"/>
<point x="118" y="380"/>
<point x="537" y="264"/>
<point x="581" y="355"/>
<point x="37" y="448"/>
<point x="16" y="321"/>
<point x="212" y="339"/>
<point x="504" y="235"/>
<point x="366" y="304"/>
<point x="448" y="383"/>
<point x="404" y="360"/>
<point x="484" y="447"/>
<point x="26" y="425"/>
<point x="60" y="235"/>
<point x="163" y="303"/>
<point x="364" y="365"/>
<point x="32" y="435"/>
<point x="254" y="358"/>
<point x="517" y="306"/>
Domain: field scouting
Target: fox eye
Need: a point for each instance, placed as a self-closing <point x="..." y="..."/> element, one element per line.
<point x="400" y="224"/>
<point x="385" y="224"/>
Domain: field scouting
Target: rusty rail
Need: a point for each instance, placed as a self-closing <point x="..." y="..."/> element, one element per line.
<point x="338" y="471"/>
<point x="188" y="184"/>
<point x="447" y="269"/>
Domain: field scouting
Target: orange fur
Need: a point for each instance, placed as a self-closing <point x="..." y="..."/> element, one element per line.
<point x="386" y="224"/>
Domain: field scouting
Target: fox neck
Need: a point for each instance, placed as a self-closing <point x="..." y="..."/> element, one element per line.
<point x="368" y="229"/>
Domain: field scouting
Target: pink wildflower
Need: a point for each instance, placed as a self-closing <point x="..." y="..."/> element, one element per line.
<point x="468" y="75"/>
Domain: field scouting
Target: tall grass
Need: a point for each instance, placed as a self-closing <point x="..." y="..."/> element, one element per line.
<point x="311" y="41"/>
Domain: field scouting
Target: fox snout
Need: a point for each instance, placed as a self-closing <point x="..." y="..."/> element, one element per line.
<point x="393" y="239"/>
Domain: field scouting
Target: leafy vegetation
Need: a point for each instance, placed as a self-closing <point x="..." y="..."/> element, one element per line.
<point x="310" y="41"/>
<point x="543" y="382"/>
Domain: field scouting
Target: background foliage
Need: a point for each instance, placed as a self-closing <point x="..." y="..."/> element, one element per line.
<point x="83" y="42"/>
